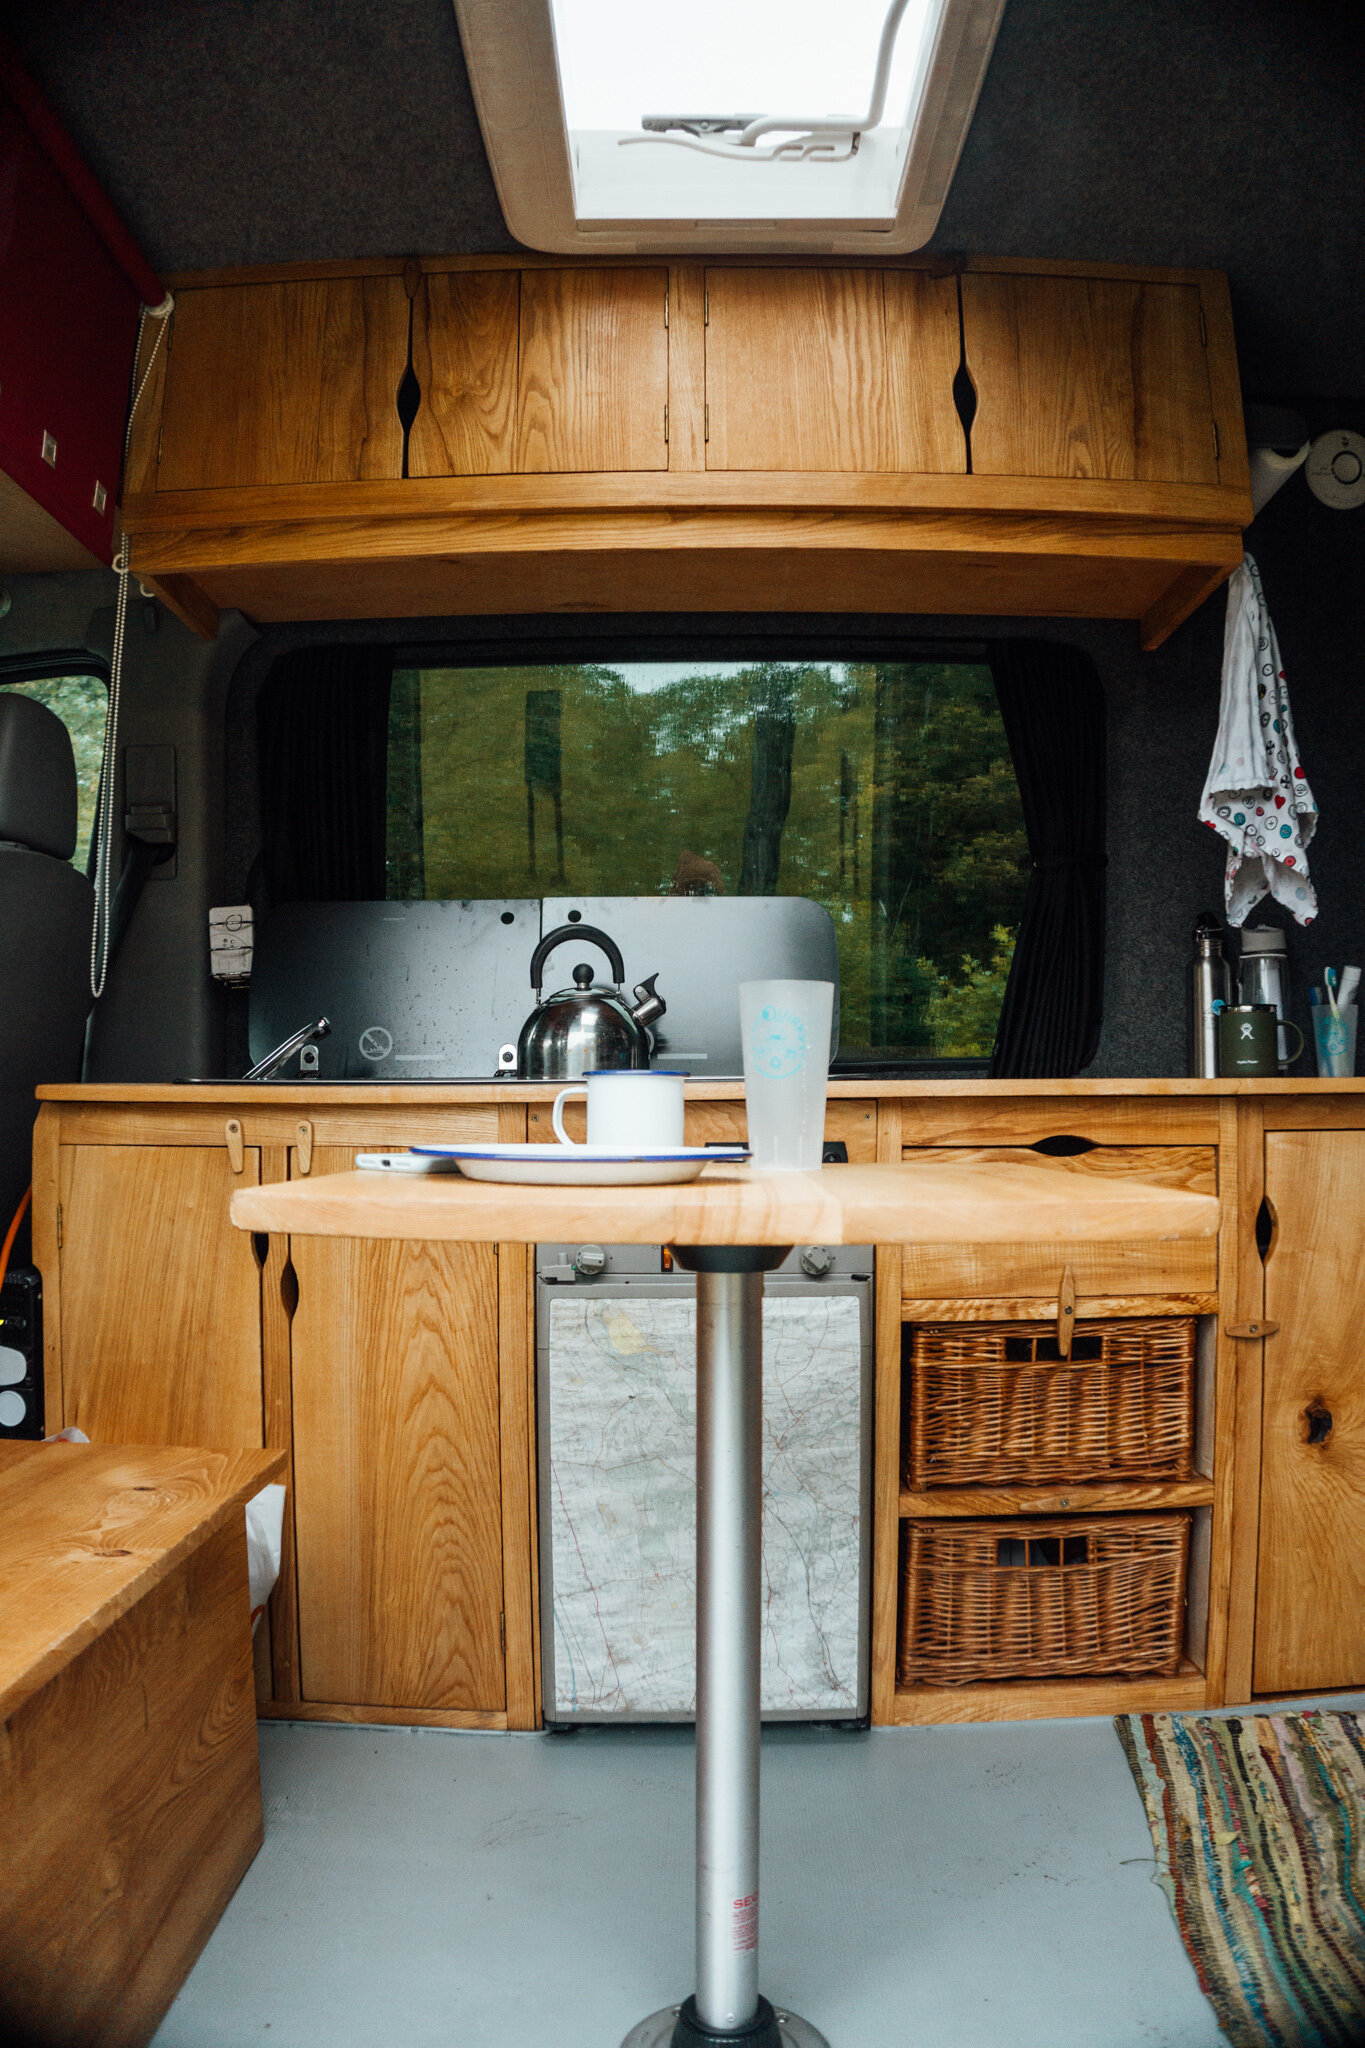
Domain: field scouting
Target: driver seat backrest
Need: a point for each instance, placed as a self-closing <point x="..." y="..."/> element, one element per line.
<point x="46" y="909"/>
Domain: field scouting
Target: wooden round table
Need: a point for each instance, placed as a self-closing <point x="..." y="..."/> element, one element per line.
<point x="729" y="1228"/>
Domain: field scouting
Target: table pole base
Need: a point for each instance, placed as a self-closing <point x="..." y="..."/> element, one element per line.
<point x="677" y="2026"/>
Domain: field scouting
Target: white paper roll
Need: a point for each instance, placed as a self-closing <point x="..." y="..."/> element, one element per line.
<point x="1270" y="469"/>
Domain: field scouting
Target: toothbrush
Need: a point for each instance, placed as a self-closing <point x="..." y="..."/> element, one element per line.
<point x="1329" y="975"/>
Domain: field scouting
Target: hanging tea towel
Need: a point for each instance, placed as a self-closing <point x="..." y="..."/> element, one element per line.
<point x="1257" y="794"/>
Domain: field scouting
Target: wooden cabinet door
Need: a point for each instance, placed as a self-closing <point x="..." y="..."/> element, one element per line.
<point x="160" y="1298"/>
<point x="464" y="356"/>
<point x="1088" y="377"/>
<point x="832" y="369"/>
<point x="593" y="380"/>
<point x="284" y="384"/>
<point x="397" y="1487"/>
<point x="1310" y="1581"/>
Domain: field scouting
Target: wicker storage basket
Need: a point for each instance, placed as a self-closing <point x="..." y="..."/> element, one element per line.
<point x="1042" y="1598"/>
<point x="991" y="1402"/>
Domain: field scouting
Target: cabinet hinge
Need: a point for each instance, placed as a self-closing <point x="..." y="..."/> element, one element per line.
<point x="665" y="426"/>
<point x="665" y="309"/>
<point x="1203" y="326"/>
<point x="1217" y="446"/>
<point x="706" y="423"/>
<point x="705" y="306"/>
<point x="59" y="1226"/>
<point x="502" y="1630"/>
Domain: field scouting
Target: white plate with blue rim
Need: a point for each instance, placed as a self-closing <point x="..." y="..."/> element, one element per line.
<point x="584" y="1166"/>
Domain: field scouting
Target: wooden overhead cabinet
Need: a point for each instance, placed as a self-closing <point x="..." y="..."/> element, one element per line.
<point x="288" y="383"/>
<point x="825" y="369"/>
<point x="1088" y="377"/>
<point x="983" y="438"/>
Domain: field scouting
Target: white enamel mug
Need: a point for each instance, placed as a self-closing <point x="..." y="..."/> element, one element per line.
<point x="630" y="1109"/>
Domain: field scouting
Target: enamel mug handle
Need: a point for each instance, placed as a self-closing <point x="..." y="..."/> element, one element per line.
<point x="557" y="1113"/>
<point x="1288" y="1025"/>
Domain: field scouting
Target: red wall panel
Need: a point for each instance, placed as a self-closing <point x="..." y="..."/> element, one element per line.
<point x="68" y="330"/>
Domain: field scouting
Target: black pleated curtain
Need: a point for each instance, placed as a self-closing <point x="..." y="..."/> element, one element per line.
<point x="322" y="746"/>
<point x="1052" y="706"/>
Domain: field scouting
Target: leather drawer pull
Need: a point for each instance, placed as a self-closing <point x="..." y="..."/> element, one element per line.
<point x="1250" y="1329"/>
<point x="1066" y="1311"/>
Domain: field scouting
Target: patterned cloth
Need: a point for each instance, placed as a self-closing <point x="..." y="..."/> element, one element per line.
<point x="1259" y="1829"/>
<point x="1257" y="794"/>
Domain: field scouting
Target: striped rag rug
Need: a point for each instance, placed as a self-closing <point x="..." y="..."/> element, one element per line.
<point x="1259" y="1828"/>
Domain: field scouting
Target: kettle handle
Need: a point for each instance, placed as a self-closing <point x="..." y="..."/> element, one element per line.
<point x="576" y="931"/>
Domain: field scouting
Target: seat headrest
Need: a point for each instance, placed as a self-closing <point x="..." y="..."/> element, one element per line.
<point x="37" y="777"/>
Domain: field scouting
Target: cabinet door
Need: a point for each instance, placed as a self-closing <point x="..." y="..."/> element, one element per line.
<point x="285" y="384"/>
<point x="464" y="356"/>
<point x="397" y="1488"/>
<point x="832" y="369"/>
<point x="1088" y="377"/>
<point x="1310" y="1582"/>
<point x="160" y="1297"/>
<point x="593" y="370"/>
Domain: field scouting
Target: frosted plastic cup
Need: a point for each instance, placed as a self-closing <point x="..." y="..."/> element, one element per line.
<point x="785" y="1030"/>
<point x="1334" y="1040"/>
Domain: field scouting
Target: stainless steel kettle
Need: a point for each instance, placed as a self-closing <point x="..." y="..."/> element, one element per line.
<point x="589" y="1025"/>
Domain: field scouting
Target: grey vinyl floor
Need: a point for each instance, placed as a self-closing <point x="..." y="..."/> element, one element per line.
<point x="954" y="1887"/>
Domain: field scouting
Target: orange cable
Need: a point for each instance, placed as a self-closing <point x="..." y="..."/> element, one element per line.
<point x="12" y="1233"/>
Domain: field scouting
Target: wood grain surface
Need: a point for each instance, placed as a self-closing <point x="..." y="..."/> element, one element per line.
<point x="1062" y="1698"/>
<point x="161" y="1302"/>
<point x="1095" y="1498"/>
<point x="285" y="384"/>
<point x="950" y="1205"/>
<point x="397" y="1472"/>
<point x="1140" y="1263"/>
<point x="1080" y="376"/>
<point x="812" y="369"/>
<point x="593" y="370"/>
<point x="464" y="356"/>
<point x="87" y="1529"/>
<point x="130" y="1801"/>
<point x="1310" y="1596"/>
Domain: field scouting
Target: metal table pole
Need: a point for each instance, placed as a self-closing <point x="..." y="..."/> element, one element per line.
<point x="726" y="2006"/>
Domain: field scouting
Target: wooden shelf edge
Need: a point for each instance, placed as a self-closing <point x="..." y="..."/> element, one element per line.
<point x="1007" y="1308"/>
<point x="1049" y="1698"/>
<point x="1086" y="1497"/>
<point x="382" y="1717"/>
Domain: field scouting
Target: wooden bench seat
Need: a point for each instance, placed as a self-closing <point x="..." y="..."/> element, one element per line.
<point x="130" y="1800"/>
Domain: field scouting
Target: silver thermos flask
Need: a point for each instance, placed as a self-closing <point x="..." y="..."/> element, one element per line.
<point x="1209" y="984"/>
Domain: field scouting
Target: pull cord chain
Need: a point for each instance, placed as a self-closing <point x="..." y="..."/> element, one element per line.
<point x="104" y="821"/>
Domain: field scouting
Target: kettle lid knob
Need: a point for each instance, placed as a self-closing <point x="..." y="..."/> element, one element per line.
<point x="582" y="975"/>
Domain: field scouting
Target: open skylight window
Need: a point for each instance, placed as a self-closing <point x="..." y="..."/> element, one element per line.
<point x="823" y="125"/>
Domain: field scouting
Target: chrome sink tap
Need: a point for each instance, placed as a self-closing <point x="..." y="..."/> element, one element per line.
<point x="266" y="1069"/>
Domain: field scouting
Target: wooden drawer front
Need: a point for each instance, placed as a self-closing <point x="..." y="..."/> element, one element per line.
<point x="955" y="1272"/>
<point x="708" y="1123"/>
<point x="1191" y="1167"/>
<point x="1144" y="1266"/>
<point x="1024" y="1119"/>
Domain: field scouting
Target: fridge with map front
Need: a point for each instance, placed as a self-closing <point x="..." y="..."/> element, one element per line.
<point x="616" y="1367"/>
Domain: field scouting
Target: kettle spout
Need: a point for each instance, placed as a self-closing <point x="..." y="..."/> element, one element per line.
<point x="649" y="1004"/>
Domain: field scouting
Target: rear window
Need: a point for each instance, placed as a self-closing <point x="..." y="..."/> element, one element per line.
<point x="80" y="700"/>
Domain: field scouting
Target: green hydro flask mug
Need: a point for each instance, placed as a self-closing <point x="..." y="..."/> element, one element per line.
<point x="1248" y="1040"/>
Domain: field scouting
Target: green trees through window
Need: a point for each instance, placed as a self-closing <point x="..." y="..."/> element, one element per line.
<point x="884" y="791"/>
<point x="80" y="701"/>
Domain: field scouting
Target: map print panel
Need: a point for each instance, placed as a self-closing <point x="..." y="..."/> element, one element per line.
<point x="622" y="1503"/>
